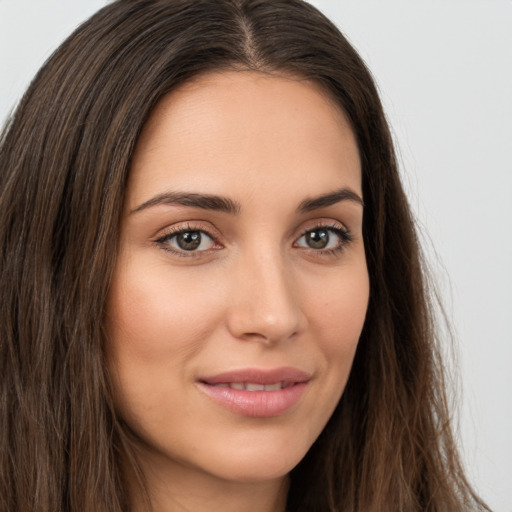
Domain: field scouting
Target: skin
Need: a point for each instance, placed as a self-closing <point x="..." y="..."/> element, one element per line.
<point x="254" y="294"/>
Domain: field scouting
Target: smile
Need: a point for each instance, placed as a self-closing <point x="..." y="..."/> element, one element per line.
<point x="252" y="386"/>
<point x="257" y="393"/>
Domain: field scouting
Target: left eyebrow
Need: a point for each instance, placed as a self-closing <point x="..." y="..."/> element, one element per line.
<point x="325" y="200"/>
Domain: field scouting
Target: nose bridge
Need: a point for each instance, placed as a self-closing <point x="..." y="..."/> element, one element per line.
<point x="265" y="305"/>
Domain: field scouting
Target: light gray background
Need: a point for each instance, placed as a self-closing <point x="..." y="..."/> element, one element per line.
<point x="444" y="68"/>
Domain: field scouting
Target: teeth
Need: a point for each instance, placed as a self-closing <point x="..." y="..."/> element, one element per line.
<point x="255" y="387"/>
<point x="274" y="387"/>
<point x="251" y="386"/>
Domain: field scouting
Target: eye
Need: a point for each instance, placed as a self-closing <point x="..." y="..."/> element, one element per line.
<point x="187" y="241"/>
<point x="324" y="238"/>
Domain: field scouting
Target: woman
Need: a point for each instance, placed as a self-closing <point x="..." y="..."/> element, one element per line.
<point x="196" y="313"/>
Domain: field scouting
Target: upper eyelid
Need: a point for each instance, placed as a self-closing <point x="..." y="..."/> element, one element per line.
<point x="191" y="225"/>
<point x="183" y="228"/>
<point x="321" y="224"/>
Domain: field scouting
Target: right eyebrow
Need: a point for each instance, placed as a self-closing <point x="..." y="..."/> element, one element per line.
<point x="194" y="200"/>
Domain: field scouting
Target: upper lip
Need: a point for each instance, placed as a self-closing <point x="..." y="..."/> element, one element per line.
<point x="259" y="376"/>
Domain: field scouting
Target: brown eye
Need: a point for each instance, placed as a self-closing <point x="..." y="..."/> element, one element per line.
<point x="329" y="238"/>
<point x="317" y="239"/>
<point x="189" y="240"/>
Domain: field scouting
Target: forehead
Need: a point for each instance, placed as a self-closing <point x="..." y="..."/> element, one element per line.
<point x="248" y="129"/>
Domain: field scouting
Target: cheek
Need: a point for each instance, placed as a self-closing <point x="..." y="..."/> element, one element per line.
<point x="337" y="316"/>
<point x="155" y="316"/>
<point x="156" y="325"/>
<point x="339" y="309"/>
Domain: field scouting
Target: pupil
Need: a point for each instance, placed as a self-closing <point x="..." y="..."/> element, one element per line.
<point x="189" y="240"/>
<point x="317" y="239"/>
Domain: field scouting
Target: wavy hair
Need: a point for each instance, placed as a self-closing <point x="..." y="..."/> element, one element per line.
<point x="64" y="161"/>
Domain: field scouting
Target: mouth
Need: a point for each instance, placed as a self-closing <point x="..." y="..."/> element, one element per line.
<point x="282" y="377"/>
<point x="257" y="393"/>
<point x="253" y="386"/>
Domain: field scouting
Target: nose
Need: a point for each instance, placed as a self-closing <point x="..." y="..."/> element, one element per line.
<point x="265" y="303"/>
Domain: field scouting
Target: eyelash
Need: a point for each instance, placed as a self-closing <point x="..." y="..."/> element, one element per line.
<point x="163" y="241"/>
<point x="344" y="235"/>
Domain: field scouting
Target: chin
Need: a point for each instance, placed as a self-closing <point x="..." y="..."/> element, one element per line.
<point x="256" y="469"/>
<point x="270" y="458"/>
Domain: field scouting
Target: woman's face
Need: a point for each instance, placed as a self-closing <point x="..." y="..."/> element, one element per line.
<point x="241" y="285"/>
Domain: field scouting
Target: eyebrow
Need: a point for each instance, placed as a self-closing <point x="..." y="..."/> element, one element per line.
<point x="203" y="201"/>
<point x="226" y="205"/>
<point x="329" y="199"/>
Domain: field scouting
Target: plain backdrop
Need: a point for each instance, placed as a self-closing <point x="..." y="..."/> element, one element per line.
<point x="444" y="69"/>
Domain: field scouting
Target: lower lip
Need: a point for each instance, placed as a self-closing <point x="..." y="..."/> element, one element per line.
<point x="258" y="404"/>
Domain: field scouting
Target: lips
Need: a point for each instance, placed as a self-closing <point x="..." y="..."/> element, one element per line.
<point x="255" y="392"/>
<point x="257" y="376"/>
<point x="253" y="386"/>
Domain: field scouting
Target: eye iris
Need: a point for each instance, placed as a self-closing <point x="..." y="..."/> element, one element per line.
<point x="317" y="239"/>
<point x="189" y="240"/>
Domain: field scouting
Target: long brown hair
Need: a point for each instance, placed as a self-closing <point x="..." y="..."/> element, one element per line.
<point x="64" y="160"/>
